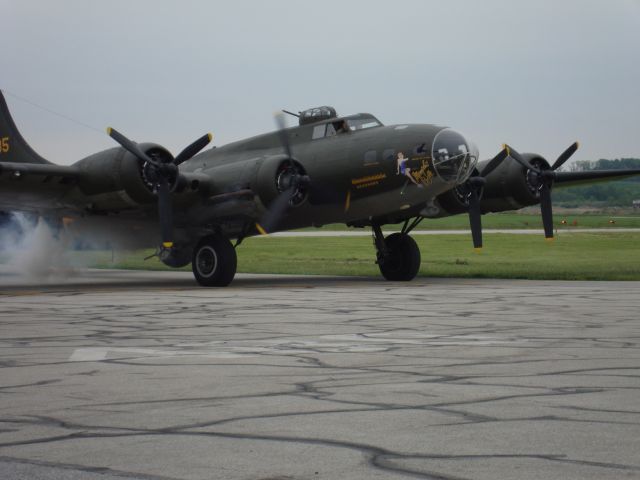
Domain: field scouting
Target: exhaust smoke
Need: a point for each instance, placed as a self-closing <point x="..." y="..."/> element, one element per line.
<point x="41" y="252"/>
<point x="31" y="248"/>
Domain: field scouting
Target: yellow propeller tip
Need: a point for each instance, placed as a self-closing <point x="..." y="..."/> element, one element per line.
<point x="261" y="230"/>
<point x="167" y="244"/>
<point x="109" y="129"/>
<point x="549" y="239"/>
<point x="577" y="144"/>
<point x="210" y="135"/>
<point x="478" y="249"/>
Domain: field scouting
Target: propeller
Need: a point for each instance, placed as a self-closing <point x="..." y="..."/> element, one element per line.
<point x="281" y="123"/>
<point x="162" y="174"/>
<point x="544" y="178"/>
<point x="193" y="149"/>
<point x="475" y="186"/>
<point x="289" y="180"/>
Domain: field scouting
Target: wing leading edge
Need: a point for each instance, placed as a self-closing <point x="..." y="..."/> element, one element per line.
<point x="570" y="179"/>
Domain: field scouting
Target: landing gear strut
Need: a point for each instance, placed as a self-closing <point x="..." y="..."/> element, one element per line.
<point x="398" y="255"/>
<point x="214" y="261"/>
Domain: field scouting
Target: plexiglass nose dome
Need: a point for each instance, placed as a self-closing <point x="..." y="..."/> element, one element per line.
<point x="453" y="156"/>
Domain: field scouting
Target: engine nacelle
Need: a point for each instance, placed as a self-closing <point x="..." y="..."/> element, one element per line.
<point x="509" y="187"/>
<point x="273" y="178"/>
<point x="512" y="186"/>
<point x="115" y="179"/>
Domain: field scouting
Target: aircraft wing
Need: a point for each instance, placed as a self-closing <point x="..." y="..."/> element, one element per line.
<point x="28" y="182"/>
<point x="569" y="179"/>
<point x="35" y="186"/>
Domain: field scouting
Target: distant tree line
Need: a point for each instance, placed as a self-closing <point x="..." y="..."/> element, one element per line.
<point x="604" y="164"/>
<point x="619" y="193"/>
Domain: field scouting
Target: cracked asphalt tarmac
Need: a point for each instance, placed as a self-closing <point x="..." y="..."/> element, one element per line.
<point x="143" y="375"/>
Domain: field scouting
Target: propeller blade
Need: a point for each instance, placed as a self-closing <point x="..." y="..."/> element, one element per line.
<point x="284" y="138"/>
<point x="164" y="213"/>
<point x="278" y="207"/>
<point x="130" y="146"/>
<point x="494" y="162"/>
<point x="193" y="149"/>
<point x="164" y="172"/>
<point x="475" y="218"/>
<point x="566" y="155"/>
<point x="518" y="158"/>
<point x="546" y="209"/>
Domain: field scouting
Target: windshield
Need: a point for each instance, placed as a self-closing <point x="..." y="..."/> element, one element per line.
<point x="363" y="123"/>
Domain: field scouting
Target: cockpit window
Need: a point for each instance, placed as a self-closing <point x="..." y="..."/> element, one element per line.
<point x="363" y="123"/>
<point x="344" y="125"/>
<point x="330" y="129"/>
<point x="318" y="131"/>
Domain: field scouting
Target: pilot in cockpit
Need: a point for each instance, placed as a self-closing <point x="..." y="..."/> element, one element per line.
<point x="343" y="127"/>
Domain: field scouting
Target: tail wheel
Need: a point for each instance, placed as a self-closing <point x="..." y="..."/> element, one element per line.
<point x="402" y="259"/>
<point x="214" y="262"/>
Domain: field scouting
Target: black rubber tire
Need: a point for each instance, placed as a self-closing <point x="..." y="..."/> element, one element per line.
<point x="403" y="260"/>
<point x="214" y="262"/>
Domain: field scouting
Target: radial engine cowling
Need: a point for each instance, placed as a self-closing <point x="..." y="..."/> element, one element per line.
<point x="115" y="179"/>
<point x="274" y="177"/>
<point x="511" y="186"/>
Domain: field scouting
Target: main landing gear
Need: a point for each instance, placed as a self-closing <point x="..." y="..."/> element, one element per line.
<point x="214" y="261"/>
<point x="398" y="255"/>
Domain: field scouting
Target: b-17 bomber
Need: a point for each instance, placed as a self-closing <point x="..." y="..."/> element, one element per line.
<point x="198" y="206"/>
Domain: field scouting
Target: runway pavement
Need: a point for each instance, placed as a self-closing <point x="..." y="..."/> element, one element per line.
<point x="115" y="374"/>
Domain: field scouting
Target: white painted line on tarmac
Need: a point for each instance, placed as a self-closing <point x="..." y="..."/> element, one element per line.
<point x="346" y="343"/>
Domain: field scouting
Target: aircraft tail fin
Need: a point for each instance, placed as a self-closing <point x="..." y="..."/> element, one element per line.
<point x="13" y="147"/>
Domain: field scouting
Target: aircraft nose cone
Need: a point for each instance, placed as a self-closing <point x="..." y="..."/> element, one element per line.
<point x="454" y="157"/>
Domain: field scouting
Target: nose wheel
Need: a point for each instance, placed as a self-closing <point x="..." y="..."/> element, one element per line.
<point x="214" y="262"/>
<point x="398" y="255"/>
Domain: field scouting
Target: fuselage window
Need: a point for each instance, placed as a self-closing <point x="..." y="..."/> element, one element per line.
<point x="371" y="158"/>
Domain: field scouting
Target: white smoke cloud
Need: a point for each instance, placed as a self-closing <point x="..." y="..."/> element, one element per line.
<point x="31" y="248"/>
<point x="41" y="253"/>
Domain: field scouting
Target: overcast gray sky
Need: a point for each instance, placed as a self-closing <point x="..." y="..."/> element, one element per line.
<point x="537" y="74"/>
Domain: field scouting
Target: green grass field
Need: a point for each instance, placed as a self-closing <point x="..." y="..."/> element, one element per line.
<point x="597" y="256"/>
<point x="606" y="255"/>
<point x="518" y="221"/>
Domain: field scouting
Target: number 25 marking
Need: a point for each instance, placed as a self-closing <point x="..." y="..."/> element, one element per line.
<point x="4" y="145"/>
